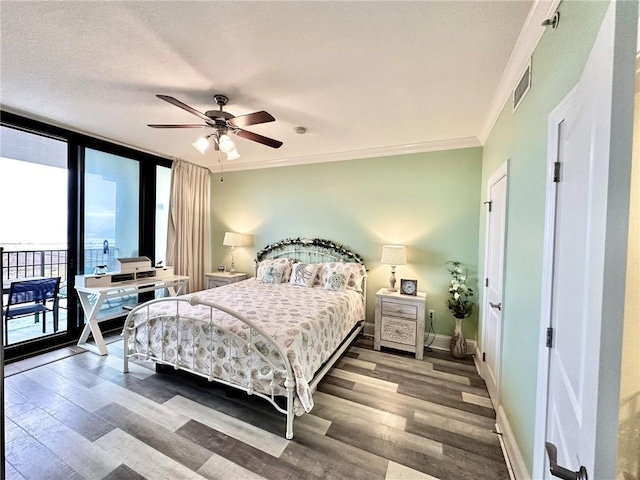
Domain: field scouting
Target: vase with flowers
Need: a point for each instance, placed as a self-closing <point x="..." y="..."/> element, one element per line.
<point x="460" y="303"/>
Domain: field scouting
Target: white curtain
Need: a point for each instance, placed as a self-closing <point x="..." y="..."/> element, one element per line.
<point x="188" y="237"/>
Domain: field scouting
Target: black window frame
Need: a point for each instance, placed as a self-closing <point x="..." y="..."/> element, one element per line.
<point x="77" y="143"/>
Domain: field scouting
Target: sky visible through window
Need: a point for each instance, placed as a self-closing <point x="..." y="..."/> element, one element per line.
<point x="34" y="206"/>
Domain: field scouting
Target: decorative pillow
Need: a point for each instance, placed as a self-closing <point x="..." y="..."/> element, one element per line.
<point x="275" y="262"/>
<point x="304" y="274"/>
<point x="323" y="272"/>
<point x="354" y="272"/>
<point x="272" y="274"/>
<point x="358" y="272"/>
<point x="336" y="279"/>
<point x="320" y="276"/>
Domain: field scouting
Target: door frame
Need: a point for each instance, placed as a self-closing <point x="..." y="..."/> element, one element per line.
<point x="501" y="171"/>
<point x="556" y="117"/>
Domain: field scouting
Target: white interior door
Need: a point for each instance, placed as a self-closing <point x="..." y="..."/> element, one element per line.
<point x="494" y="268"/>
<point x="583" y="137"/>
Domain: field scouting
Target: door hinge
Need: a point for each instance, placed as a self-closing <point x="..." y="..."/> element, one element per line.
<point x="486" y="282"/>
<point x="488" y="203"/>
<point x="556" y="172"/>
<point x="549" y="337"/>
<point x="484" y="356"/>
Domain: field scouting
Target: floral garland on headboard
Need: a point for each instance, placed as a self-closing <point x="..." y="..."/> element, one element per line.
<point x="306" y="242"/>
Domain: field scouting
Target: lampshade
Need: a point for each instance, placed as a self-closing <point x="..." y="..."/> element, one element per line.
<point x="201" y="144"/>
<point x="394" y="255"/>
<point x="226" y="144"/>
<point x="233" y="155"/>
<point x="232" y="239"/>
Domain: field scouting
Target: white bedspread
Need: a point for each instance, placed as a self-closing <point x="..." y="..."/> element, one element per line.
<point x="309" y="323"/>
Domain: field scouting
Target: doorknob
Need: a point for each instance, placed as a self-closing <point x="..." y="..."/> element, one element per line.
<point x="561" y="472"/>
<point x="496" y="305"/>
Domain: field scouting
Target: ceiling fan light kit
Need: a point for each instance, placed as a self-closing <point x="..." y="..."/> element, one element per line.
<point x="201" y="144"/>
<point x="223" y="123"/>
<point x="226" y="144"/>
<point x="233" y="155"/>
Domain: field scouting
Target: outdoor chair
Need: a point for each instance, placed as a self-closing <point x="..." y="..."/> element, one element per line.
<point x="30" y="297"/>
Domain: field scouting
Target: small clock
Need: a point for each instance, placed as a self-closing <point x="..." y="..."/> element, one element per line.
<point x="408" y="287"/>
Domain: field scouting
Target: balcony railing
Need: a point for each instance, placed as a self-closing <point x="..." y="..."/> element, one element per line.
<point x="50" y="263"/>
<point x="46" y="263"/>
<point x="34" y="263"/>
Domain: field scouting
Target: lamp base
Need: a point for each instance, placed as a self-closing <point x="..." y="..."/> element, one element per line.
<point x="392" y="280"/>
<point x="233" y="267"/>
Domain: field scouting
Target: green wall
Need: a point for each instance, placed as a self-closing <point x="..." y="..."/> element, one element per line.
<point x="432" y="203"/>
<point x="427" y="201"/>
<point x="521" y="138"/>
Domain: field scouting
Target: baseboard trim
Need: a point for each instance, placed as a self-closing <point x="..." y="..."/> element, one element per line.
<point x="368" y="330"/>
<point x="441" y="342"/>
<point x="503" y="447"/>
<point x="513" y="457"/>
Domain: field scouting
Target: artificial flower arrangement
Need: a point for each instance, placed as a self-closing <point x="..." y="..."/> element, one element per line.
<point x="460" y="303"/>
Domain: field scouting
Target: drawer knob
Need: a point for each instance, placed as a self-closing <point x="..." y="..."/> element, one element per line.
<point x="398" y="331"/>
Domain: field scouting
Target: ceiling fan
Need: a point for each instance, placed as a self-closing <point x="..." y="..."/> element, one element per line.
<point x="223" y="123"/>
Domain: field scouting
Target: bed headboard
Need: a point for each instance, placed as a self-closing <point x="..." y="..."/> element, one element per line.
<point x="314" y="250"/>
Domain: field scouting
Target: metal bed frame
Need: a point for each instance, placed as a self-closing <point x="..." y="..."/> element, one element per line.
<point x="310" y="251"/>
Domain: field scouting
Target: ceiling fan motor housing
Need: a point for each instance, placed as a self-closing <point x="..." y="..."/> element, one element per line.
<point x="221" y="101"/>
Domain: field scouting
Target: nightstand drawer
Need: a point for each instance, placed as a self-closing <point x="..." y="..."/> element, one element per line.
<point x="401" y="310"/>
<point x="398" y="331"/>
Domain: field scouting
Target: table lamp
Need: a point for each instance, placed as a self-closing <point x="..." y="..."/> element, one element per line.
<point x="233" y="240"/>
<point x="393" y="255"/>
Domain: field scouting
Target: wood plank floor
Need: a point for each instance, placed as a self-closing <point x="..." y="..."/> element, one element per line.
<point x="377" y="415"/>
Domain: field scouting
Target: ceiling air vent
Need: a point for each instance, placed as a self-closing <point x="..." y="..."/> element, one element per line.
<point x="524" y="85"/>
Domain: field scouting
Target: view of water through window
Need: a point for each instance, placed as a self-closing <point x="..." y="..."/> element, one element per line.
<point x="33" y="233"/>
<point x="34" y="189"/>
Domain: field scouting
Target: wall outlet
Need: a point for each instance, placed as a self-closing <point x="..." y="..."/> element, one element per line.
<point x="431" y="314"/>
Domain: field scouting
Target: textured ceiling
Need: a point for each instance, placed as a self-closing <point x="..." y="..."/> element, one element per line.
<point x="360" y="76"/>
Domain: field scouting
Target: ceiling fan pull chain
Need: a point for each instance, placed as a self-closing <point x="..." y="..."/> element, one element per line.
<point x="220" y="162"/>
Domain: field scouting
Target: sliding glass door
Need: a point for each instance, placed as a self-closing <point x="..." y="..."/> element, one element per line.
<point x="111" y="217"/>
<point x="111" y="213"/>
<point x="34" y="229"/>
<point x="163" y="194"/>
<point x="68" y="204"/>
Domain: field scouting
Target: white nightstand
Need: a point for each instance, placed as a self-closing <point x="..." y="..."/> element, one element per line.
<point x="400" y="321"/>
<point x="214" y="279"/>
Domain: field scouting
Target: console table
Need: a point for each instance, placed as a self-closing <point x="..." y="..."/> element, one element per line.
<point x="92" y="299"/>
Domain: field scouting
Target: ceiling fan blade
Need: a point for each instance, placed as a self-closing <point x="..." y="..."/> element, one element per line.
<point x="184" y="106"/>
<point x="178" y="126"/>
<point x="258" y="138"/>
<point x="251" y="119"/>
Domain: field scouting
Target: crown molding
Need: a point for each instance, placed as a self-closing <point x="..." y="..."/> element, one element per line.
<point x="452" y="144"/>
<point x="526" y="44"/>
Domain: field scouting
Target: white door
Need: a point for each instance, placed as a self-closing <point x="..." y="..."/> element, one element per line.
<point x="494" y="268"/>
<point x="580" y="196"/>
